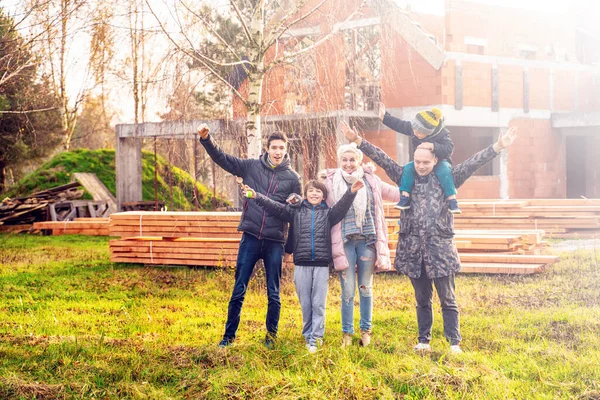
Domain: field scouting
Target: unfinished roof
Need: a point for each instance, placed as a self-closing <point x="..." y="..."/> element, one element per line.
<point x="412" y="32"/>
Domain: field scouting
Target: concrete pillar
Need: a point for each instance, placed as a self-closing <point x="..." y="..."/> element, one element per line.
<point x="128" y="164"/>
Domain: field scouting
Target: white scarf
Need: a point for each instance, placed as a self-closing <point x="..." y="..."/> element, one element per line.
<point x="341" y="180"/>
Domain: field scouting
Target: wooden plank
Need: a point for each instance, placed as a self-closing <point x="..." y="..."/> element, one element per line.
<point x="182" y="223"/>
<point x="507" y="258"/>
<point x="497" y="268"/>
<point x="171" y="215"/>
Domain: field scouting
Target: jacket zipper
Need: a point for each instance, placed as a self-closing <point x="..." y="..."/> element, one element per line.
<point x="312" y="233"/>
<point x="264" y="212"/>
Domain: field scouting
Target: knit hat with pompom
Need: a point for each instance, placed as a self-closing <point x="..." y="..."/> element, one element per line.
<point x="428" y="121"/>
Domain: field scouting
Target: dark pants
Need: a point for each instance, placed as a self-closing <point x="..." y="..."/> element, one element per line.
<point x="443" y="171"/>
<point x="250" y="251"/>
<point x="423" y="295"/>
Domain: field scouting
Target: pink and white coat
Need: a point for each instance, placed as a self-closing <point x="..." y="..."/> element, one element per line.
<point x="381" y="191"/>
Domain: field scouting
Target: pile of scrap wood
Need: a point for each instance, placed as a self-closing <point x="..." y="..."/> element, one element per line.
<point x="26" y="210"/>
<point x="211" y="239"/>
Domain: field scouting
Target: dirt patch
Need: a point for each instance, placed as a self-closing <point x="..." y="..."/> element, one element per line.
<point x="10" y="389"/>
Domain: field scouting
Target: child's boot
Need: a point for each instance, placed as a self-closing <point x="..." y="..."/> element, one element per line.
<point x="403" y="204"/>
<point x="453" y="206"/>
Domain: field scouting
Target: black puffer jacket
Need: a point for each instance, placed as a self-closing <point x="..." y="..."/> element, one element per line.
<point x="276" y="183"/>
<point x="312" y="227"/>
<point x="443" y="147"/>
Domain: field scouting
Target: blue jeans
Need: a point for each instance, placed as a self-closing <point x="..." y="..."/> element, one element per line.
<point x="443" y="171"/>
<point x="361" y="257"/>
<point x="250" y="251"/>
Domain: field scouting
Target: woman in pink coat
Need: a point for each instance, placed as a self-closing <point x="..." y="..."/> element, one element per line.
<point x="359" y="242"/>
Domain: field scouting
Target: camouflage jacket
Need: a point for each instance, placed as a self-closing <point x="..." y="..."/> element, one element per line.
<point x="427" y="228"/>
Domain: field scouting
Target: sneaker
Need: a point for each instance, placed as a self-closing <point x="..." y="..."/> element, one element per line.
<point x="453" y="206"/>
<point x="403" y="204"/>
<point x="346" y="340"/>
<point x="426" y="347"/>
<point x="225" y="342"/>
<point x="269" y="341"/>
<point x="311" y="349"/>
<point x="455" y="349"/>
<point x="365" y="338"/>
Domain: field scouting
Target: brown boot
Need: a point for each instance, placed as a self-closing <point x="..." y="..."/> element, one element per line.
<point x="346" y="340"/>
<point x="365" y="338"/>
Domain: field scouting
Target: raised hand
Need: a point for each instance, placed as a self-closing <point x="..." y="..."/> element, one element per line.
<point x="350" y="134"/>
<point x="380" y="107"/>
<point x="203" y="131"/>
<point x="356" y="186"/>
<point x="507" y="139"/>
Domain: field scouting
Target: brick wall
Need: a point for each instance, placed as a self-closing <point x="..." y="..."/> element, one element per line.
<point x="536" y="161"/>
<point x="505" y="28"/>
<point x="480" y="187"/>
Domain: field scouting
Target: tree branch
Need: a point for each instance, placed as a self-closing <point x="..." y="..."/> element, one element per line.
<point x="281" y="27"/>
<point x="29" y="111"/>
<point x="290" y="57"/>
<point x="218" y="36"/>
<point x="244" y="25"/>
<point x="193" y="54"/>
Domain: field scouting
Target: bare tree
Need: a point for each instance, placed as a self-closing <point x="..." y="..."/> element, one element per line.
<point x="263" y="24"/>
<point x="55" y="26"/>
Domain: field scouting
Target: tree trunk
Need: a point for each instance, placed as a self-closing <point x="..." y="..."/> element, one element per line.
<point x="253" y="124"/>
<point x="2" y="176"/>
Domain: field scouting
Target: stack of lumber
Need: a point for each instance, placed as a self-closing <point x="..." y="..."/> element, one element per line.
<point x="80" y="226"/>
<point x="491" y="251"/>
<point x="217" y="252"/>
<point x="175" y="224"/>
<point x="211" y="239"/>
<point x="559" y="218"/>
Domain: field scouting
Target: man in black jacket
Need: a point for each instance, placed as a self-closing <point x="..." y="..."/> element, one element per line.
<point x="263" y="235"/>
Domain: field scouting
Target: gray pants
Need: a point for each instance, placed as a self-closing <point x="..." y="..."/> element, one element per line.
<point x="423" y="295"/>
<point x="311" y="287"/>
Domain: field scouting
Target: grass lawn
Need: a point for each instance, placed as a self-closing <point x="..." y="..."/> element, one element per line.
<point x="74" y="325"/>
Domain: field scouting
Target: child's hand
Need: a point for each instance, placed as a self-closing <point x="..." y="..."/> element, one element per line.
<point x="293" y="199"/>
<point x="248" y="192"/>
<point x="380" y="108"/>
<point x="426" y="146"/>
<point x="356" y="186"/>
<point x="350" y="134"/>
<point x="203" y="131"/>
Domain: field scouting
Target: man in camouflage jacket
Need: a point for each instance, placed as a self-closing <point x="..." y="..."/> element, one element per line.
<point x="426" y="252"/>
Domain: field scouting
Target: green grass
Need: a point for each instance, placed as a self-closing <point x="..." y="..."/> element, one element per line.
<point x="175" y="186"/>
<point x="74" y="325"/>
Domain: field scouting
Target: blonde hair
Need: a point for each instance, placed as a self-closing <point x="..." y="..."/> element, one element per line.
<point x="350" y="148"/>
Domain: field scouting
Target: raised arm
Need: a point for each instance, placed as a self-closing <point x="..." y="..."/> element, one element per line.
<point x="284" y="212"/>
<point x="465" y="169"/>
<point x="398" y="125"/>
<point x="391" y="167"/>
<point x="401" y="126"/>
<point x="340" y="209"/>
<point x="231" y="164"/>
